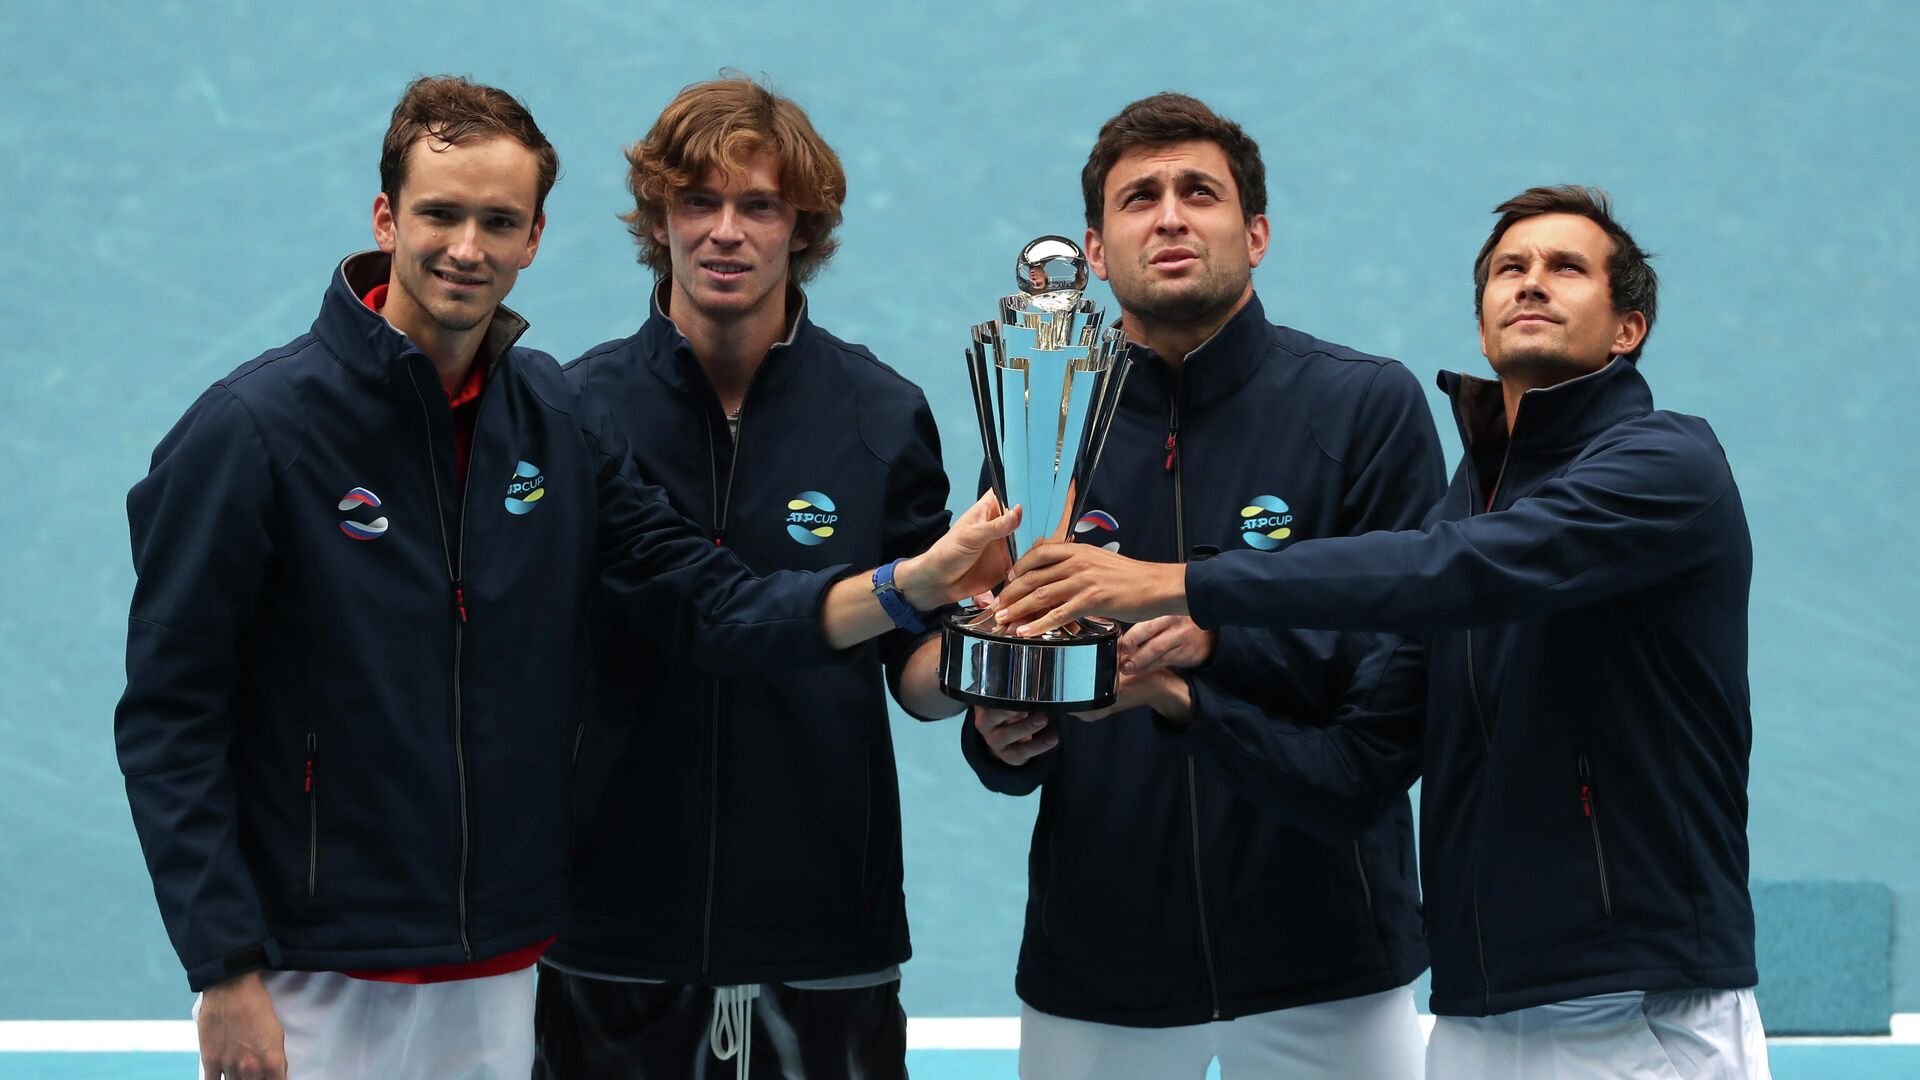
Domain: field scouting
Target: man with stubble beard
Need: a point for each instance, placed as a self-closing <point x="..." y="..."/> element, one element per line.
<point x="1223" y="867"/>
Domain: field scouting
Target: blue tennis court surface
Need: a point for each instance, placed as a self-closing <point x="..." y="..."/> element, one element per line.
<point x="180" y="179"/>
<point x="1788" y="1062"/>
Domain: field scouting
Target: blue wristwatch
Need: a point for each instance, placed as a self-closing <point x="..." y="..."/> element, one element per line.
<point x="895" y="605"/>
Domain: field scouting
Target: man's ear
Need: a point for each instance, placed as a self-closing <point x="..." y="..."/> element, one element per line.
<point x="383" y="223"/>
<point x="533" y="240"/>
<point x="1259" y="234"/>
<point x="1096" y="253"/>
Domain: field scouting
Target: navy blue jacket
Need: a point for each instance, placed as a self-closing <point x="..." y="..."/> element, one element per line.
<point x="746" y="827"/>
<point x="351" y="684"/>
<point x="1164" y="886"/>
<point x="1584" y="807"/>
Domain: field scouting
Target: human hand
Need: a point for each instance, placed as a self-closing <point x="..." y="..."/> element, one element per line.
<point x="1014" y="738"/>
<point x="1060" y="581"/>
<point x="240" y="1036"/>
<point x="1174" y="641"/>
<point x="970" y="559"/>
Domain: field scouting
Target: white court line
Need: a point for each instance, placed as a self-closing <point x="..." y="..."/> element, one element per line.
<point x="923" y="1033"/>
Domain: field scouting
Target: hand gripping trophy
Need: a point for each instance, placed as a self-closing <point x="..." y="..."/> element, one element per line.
<point x="1046" y="380"/>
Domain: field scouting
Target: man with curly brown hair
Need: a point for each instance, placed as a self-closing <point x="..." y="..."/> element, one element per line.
<point x="736" y="877"/>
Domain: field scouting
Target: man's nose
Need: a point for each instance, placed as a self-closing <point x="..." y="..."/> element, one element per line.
<point x="465" y="247"/>
<point x="726" y="230"/>
<point x="1533" y="282"/>
<point x="1170" y="218"/>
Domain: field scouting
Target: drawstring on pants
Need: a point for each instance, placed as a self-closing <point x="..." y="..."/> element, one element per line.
<point x="732" y="1030"/>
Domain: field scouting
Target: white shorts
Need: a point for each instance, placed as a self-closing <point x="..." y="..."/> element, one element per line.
<point x="1373" y="1037"/>
<point x="342" y="1028"/>
<point x="1672" y="1035"/>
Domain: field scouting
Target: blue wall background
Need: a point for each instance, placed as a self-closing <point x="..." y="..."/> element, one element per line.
<point x="179" y="179"/>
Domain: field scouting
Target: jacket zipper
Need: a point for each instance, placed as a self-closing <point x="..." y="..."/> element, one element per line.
<point x="1593" y="823"/>
<point x="722" y="501"/>
<point x="1486" y="737"/>
<point x="313" y="820"/>
<point x="1473" y="684"/>
<point x="1172" y="466"/>
<point x="1046" y="900"/>
<point x="1366" y="888"/>
<point x="454" y="569"/>
<point x="866" y="832"/>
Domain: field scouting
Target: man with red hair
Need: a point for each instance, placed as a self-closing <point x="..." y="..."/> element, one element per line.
<point x="736" y="882"/>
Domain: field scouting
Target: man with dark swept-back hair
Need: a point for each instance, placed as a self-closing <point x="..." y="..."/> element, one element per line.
<point x="365" y="561"/>
<point x="1631" y="283"/>
<point x="1187" y="901"/>
<point x="737" y="882"/>
<point x="1581" y="595"/>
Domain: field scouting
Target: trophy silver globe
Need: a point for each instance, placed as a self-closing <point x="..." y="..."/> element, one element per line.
<point x="1046" y="377"/>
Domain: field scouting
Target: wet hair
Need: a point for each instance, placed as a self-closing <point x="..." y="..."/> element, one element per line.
<point x="452" y="110"/>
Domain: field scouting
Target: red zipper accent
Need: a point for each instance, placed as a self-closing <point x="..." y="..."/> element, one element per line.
<point x="309" y="785"/>
<point x="1586" y="799"/>
<point x="1172" y="449"/>
<point x="719" y="539"/>
<point x="460" y="602"/>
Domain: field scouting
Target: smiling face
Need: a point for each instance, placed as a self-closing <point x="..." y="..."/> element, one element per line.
<point x="1173" y="241"/>
<point x="460" y="230"/>
<point x="730" y="239"/>
<point x="1547" y="309"/>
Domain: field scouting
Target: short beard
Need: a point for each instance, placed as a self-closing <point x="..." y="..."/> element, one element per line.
<point x="458" y="322"/>
<point x="1213" y="298"/>
<point x="1542" y="367"/>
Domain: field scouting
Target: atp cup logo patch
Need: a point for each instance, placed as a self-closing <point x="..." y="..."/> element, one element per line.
<point x="362" y="530"/>
<point x="810" y="518"/>
<point x="1090" y="527"/>
<point x="1265" y="522"/>
<point x="526" y="488"/>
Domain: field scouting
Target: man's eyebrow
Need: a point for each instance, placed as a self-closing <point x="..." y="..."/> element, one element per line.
<point x="1191" y="176"/>
<point x="1553" y="255"/>
<point x="430" y="203"/>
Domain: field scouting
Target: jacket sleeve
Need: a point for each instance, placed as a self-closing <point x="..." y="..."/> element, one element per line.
<point x="1332" y="775"/>
<point x="1393" y="472"/>
<point x="1633" y="511"/>
<point x="685" y="594"/>
<point x="915" y="515"/>
<point x="199" y="526"/>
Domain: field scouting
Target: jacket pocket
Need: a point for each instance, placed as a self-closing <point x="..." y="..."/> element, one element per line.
<point x="1360" y="865"/>
<point x="313" y="818"/>
<point x="1589" y="806"/>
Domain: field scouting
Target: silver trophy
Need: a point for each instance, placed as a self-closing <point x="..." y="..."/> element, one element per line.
<point x="1046" y="380"/>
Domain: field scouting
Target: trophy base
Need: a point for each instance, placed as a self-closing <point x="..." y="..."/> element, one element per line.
<point x="1059" y="671"/>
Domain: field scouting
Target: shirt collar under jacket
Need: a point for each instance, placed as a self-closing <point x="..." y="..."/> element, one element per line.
<point x="367" y="344"/>
<point x="668" y="349"/>
<point x="1568" y="415"/>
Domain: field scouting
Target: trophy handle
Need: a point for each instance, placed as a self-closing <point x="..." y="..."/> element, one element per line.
<point x="1100" y="413"/>
<point x="980" y="371"/>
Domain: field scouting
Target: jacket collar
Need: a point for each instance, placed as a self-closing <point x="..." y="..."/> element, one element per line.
<point x="667" y="349"/>
<point x="368" y="344"/>
<point x="1566" y="416"/>
<point x="1221" y="364"/>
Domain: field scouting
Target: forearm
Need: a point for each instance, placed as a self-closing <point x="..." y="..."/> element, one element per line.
<point x="850" y="614"/>
<point x="917" y="684"/>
